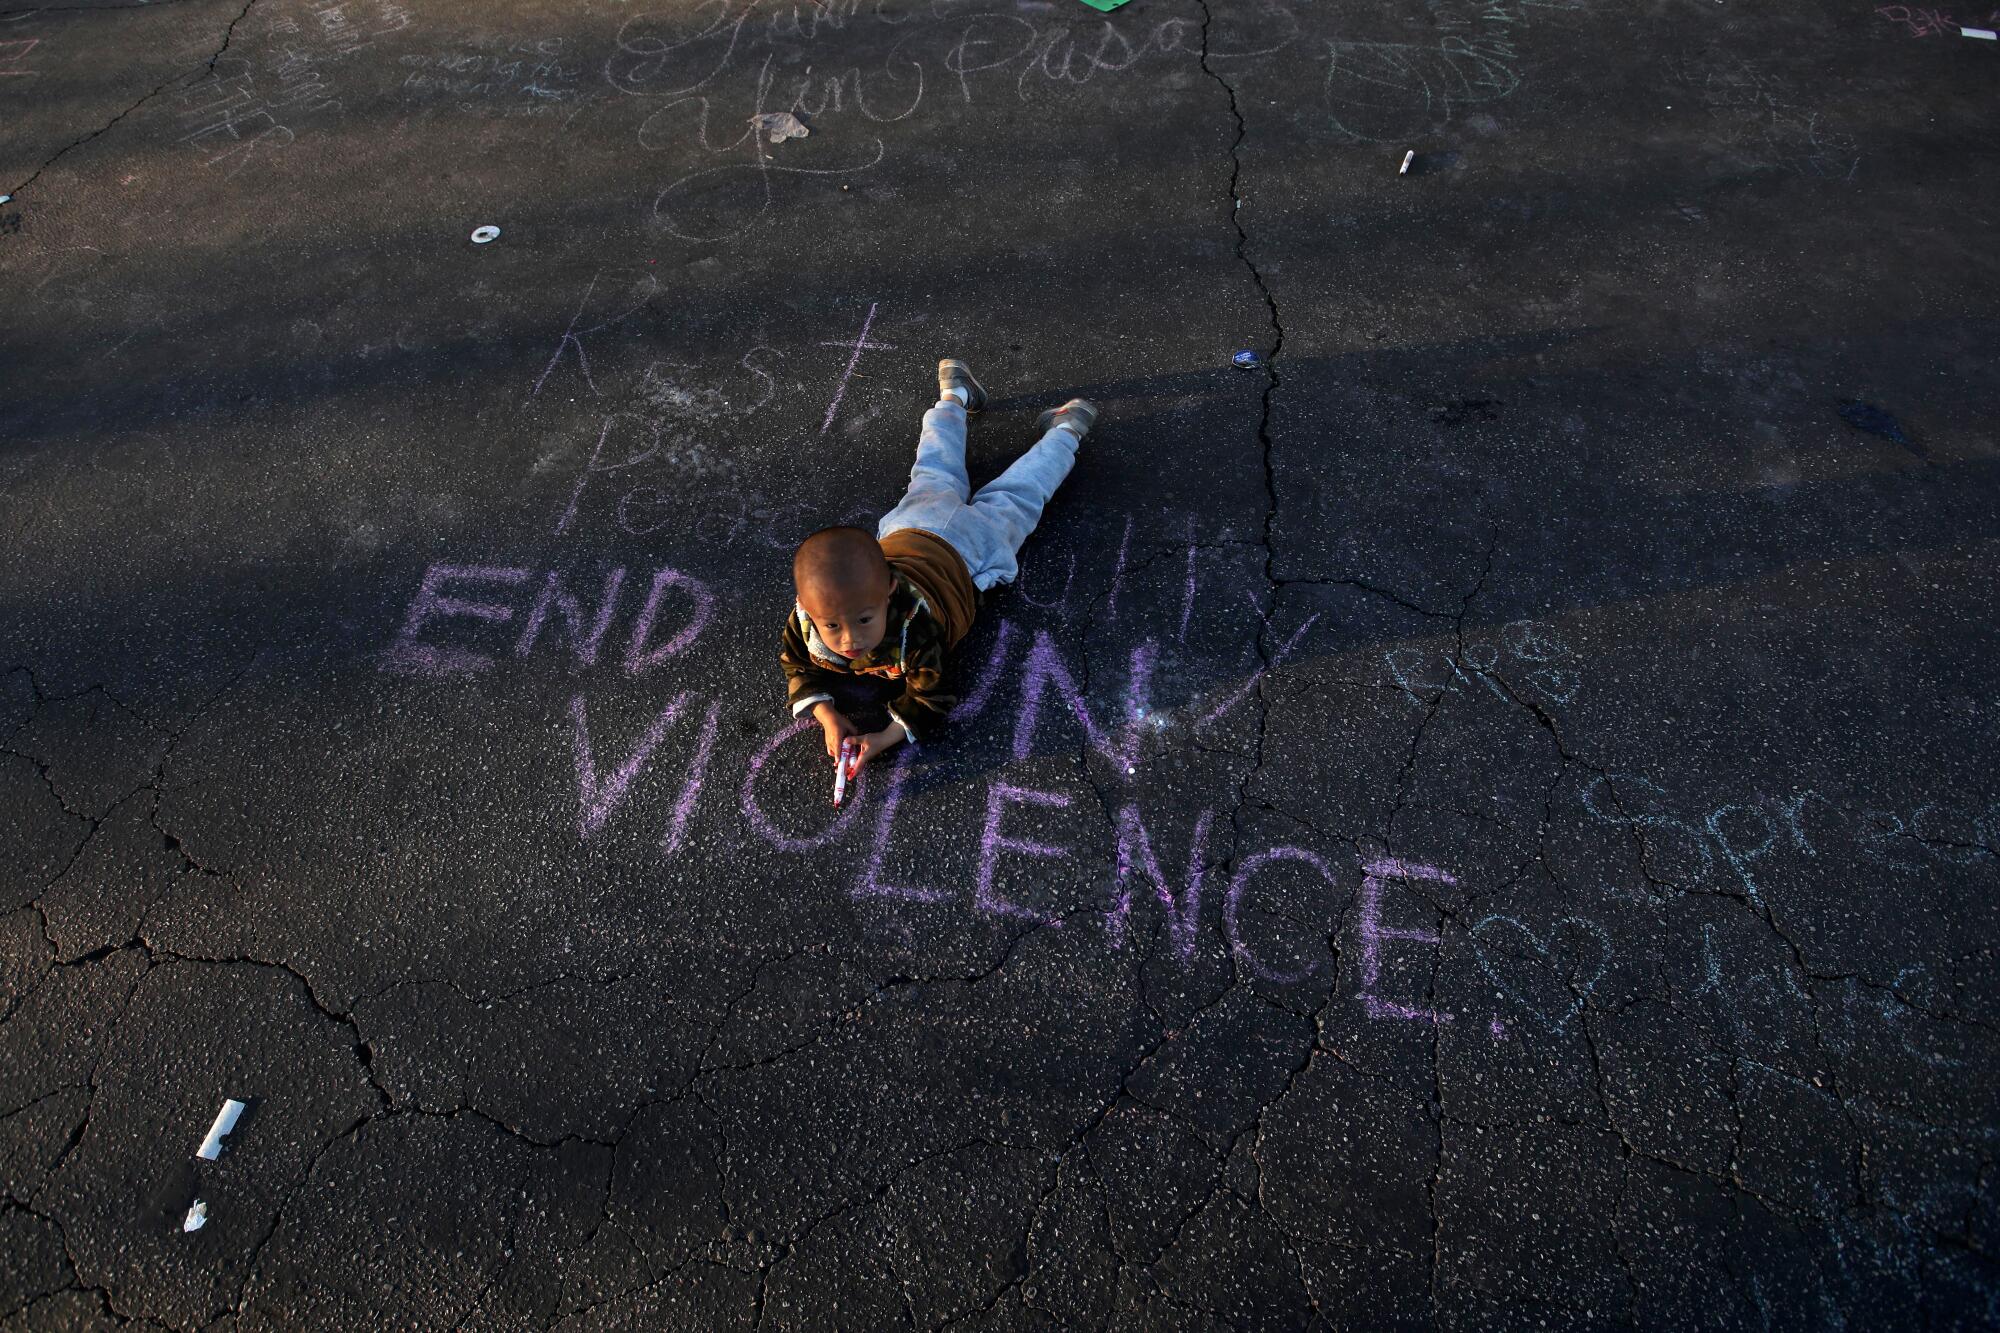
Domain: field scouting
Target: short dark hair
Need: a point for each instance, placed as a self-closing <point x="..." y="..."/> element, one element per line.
<point x="840" y="557"/>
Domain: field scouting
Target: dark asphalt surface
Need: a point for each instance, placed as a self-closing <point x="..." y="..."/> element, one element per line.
<point x="1488" y="821"/>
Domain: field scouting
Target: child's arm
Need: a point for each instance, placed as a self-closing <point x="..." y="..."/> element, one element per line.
<point x="808" y="687"/>
<point x="919" y="714"/>
<point x="875" y="742"/>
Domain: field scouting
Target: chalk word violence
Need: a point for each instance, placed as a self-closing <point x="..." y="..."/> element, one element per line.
<point x="464" y="619"/>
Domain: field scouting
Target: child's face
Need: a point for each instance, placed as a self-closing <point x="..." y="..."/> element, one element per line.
<point x="849" y="621"/>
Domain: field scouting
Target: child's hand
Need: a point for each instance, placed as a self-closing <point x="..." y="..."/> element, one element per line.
<point x="877" y="742"/>
<point x="835" y="726"/>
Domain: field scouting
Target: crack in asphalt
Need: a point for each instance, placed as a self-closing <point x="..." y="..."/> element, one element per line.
<point x="208" y="68"/>
<point x="228" y="34"/>
<point x="1437" y="702"/>
<point x="1756" y="907"/>
<point x="510" y="1238"/>
<point x="1271" y="379"/>
<point x="1267" y="445"/>
<point x="789" y="1247"/>
<point x="1376" y="589"/>
<point x="70" y="1145"/>
<point x="155" y="784"/>
<point x="155" y="956"/>
<point x="76" y="1286"/>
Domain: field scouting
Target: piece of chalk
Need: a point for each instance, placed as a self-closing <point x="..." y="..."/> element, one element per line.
<point x="6" y="198"/>
<point x="845" y="764"/>
<point x="1408" y="158"/>
<point x="1984" y="34"/>
<point x="225" y="1120"/>
<point x="197" y="1217"/>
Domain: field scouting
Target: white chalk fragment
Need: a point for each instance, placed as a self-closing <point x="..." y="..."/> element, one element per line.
<point x="1408" y="158"/>
<point x="197" y="1217"/>
<point x="225" y="1120"/>
<point x="1984" y="34"/>
<point x="6" y="198"/>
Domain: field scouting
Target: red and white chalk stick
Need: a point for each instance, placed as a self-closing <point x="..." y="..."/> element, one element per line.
<point x="845" y="766"/>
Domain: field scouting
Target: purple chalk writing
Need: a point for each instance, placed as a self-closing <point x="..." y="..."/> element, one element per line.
<point x="639" y="657"/>
<point x="1278" y="659"/>
<point x="424" y="659"/>
<point x="1058" y="604"/>
<point x="870" y="883"/>
<point x="583" y="638"/>
<point x="691" y="788"/>
<point x="555" y="607"/>
<point x="1117" y="574"/>
<point x="1183" y="912"/>
<point x="1373" y="932"/>
<point x="859" y="345"/>
<point x="973" y="704"/>
<point x="14" y="51"/>
<point x="760" y="823"/>
<point x="572" y="336"/>
<point x="1045" y="666"/>
<point x="600" y="794"/>
<point x="1232" y="911"/>
<point x="992" y="843"/>
<point x="1187" y="599"/>
<point x="1920" y="22"/>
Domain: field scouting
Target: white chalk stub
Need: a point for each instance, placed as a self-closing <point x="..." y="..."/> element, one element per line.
<point x="1408" y="158"/>
<point x="197" y="1217"/>
<point x="481" y="235"/>
<point x="1985" y="34"/>
<point x="225" y="1120"/>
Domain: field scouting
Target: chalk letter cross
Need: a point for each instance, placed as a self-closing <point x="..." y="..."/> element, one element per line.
<point x="859" y="345"/>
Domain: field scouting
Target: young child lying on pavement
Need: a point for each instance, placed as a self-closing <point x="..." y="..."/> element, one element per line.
<point x="894" y="605"/>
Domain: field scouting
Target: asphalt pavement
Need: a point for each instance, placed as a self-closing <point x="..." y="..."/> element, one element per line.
<point x="1484" y="817"/>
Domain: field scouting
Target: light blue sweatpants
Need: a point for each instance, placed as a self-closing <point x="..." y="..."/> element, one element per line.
<point x="988" y="528"/>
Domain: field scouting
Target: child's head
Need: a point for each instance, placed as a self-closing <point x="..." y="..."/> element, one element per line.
<point x="843" y="583"/>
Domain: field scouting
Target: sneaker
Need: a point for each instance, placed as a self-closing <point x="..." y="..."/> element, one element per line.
<point x="955" y="374"/>
<point x="1079" y="414"/>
